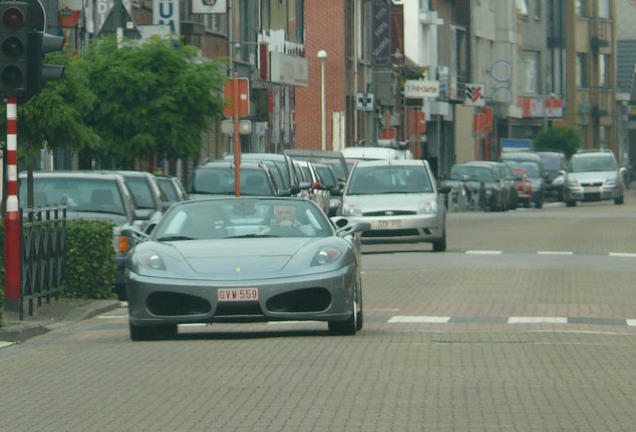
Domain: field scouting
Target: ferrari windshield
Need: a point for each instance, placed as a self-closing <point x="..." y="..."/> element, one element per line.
<point x="242" y="218"/>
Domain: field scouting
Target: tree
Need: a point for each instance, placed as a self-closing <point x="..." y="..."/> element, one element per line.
<point x="154" y="97"/>
<point x="564" y="138"/>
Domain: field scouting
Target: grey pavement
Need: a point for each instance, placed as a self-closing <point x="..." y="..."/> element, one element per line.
<point x="47" y="317"/>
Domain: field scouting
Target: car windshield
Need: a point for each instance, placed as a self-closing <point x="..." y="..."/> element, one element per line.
<point x="471" y="173"/>
<point x="551" y="162"/>
<point x="242" y="218"/>
<point x="168" y="188"/>
<point x="533" y="169"/>
<point x="379" y="179"/>
<point x="141" y="191"/>
<point x="592" y="163"/>
<point x="326" y="176"/>
<point x="221" y="181"/>
<point x="78" y="194"/>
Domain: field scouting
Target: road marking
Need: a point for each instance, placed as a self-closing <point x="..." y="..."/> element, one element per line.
<point x="555" y="253"/>
<point x="622" y="254"/>
<point x="483" y="252"/>
<point x="112" y="316"/>
<point x="631" y="322"/>
<point x="537" y="320"/>
<point x="5" y="344"/>
<point x="419" y="319"/>
<point x="382" y="310"/>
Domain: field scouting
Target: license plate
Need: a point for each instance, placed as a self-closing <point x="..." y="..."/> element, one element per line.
<point x="593" y="189"/>
<point x="392" y="223"/>
<point x="237" y="294"/>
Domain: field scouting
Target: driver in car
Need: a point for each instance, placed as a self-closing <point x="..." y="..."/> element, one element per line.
<point x="285" y="218"/>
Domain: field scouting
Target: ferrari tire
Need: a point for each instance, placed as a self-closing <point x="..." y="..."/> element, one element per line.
<point x="348" y="327"/>
<point x="144" y="333"/>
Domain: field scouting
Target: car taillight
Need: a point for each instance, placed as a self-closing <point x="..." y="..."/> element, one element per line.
<point x="123" y="244"/>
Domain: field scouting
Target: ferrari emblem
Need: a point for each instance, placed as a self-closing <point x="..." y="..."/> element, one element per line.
<point x="238" y="269"/>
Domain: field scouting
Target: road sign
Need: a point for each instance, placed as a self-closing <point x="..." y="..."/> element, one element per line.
<point x="365" y="101"/>
<point x="245" y="127"/>
<point x="420" y="89"/>
<point x="243" y="103"/>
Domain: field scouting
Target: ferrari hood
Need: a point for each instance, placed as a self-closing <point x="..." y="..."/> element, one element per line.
<point x="240" y="256"/>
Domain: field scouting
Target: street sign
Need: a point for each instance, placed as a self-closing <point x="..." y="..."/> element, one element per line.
<point x="420" y="89"/>
<point x="227" y="127"/>
<point x="365" y="101"/>
<point x="243" y="103"/>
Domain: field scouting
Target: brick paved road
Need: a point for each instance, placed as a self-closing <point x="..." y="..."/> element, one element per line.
<point x="495" y="335"/>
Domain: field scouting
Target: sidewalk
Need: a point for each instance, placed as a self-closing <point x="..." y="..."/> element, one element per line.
<point x="48" y="317"/>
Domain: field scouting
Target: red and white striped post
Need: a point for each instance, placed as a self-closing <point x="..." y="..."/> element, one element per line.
<point x="12" y="214"/>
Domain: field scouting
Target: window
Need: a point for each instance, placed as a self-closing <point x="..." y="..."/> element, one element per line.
<point x="581" y="70"/>
<point x="603" y="67"/>
<point x="530" y="71"/>
<point x="522" y="7"/>
<point x="581" y="9"/>
<point x="603" y="9"/>
<point x="537" y="9"/>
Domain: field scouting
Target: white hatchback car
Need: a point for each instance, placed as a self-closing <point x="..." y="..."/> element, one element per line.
<point x="400" y="199"/>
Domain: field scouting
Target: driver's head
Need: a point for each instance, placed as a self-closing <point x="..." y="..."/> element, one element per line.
<point x="284" y="213"/>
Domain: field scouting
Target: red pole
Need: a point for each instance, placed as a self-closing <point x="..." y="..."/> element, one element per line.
<point x="237" y="140"/>
<point x="12" y="214"/>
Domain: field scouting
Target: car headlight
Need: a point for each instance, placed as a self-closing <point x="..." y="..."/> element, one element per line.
<point x="152" y="261"/>
<point x="351" y="210"/>
<point x="325" y="255"/>
<point x="573" y="182"/>
<point x="427" y="207"/>
<point x="610" y="182"/>
<point x="558" y="180"/>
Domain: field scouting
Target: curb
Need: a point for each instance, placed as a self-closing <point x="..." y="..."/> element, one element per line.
<point x="24" y="331"/>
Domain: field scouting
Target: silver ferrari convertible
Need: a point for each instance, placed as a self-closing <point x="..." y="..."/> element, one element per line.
<point x="244" y="259"/>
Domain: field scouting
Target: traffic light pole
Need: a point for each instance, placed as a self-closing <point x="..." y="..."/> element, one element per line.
<point x="12" y="215"/>
<point x="237" y="140"/>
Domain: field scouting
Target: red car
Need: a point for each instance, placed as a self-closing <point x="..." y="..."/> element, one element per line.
<point x="524" y="187"/>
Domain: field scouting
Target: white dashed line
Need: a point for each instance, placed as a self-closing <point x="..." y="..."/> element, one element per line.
<point x="483" y="252"/>
<point x="631" y="322"/>
<point x="112" y="316"/>
<point x="419" y="319"/>
<point x="5" y="344"/>
<point x="622" y="254"/>
<point x="537" y="320"/>
<point x="555" y="253"/>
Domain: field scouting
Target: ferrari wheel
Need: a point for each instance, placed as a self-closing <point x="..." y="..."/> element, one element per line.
<point x="143" y="333"/>
<point x="348" y="327"/>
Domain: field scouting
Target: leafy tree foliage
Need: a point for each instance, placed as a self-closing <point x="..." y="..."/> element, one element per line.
<point x="154" y="98"/>
<point x="564" y="138"/>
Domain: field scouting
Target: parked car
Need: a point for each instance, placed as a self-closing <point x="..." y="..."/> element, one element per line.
<point x="524" y="186"/>
<point x="333" y="158"/>
<point x="508" y="186"/>
<point x="172" y="188"/>
<point x="150" y="200"/>
<point x="92" y="195"/>
<point x="284" y="162"/>
<point x="480" y="182"/>
<point x="531" y="162"/>
<point x="364" y="153"/>
<point x="231" y="259"/>
<point x="312" y="182"/>
<point x="555" y="167"/>
<point x="594" y="176"/>
<point x="219" y="178"/>
<point x="329" y="179"/>
<point x="400" y="199"/>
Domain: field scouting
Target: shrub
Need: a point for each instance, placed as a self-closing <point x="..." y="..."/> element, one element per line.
<point x="89" y="259"/>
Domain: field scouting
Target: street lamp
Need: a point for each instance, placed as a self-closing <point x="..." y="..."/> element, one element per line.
<point x="322" y="55"/>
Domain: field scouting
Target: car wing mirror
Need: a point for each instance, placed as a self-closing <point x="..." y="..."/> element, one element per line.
<point x="444" y="189"/>
<point x="294" y="189"/>
<point x="304" y="185"/>
<point x="134" y="233"/>
<point x="285" y="192"/>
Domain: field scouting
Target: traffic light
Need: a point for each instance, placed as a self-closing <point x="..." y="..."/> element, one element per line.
<point x="14" y="30"/>
<point x="40" y="44"/>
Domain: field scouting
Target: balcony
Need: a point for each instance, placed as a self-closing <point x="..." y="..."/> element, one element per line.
<point x="600" y="33"/>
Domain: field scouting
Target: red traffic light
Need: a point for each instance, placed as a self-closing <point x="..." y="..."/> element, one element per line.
<point x="13" y="18"/>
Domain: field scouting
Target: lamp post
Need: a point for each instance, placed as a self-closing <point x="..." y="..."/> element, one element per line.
<point x="322" y="55"/>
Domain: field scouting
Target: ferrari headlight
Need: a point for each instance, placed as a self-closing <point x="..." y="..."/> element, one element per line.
<point x="325" y="255"/>
<point x="427" y="207"/>
<point x="152" y="261"/>
<point x="351" y="210"/>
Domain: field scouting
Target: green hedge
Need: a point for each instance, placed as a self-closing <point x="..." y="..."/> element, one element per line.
<point x="89" y="259"/>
